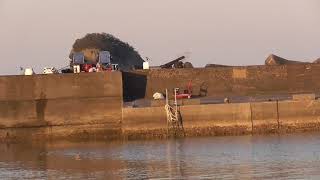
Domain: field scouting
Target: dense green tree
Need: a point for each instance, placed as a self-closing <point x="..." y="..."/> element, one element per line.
<point x="122" y="53"/>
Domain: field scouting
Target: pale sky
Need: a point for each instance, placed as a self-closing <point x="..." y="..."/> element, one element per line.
<point x="40" y="33"/>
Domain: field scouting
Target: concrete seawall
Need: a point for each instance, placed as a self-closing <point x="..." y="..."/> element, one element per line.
<point x="59" y="106"/>
<point x="221" y="119"/>
<point x="226" y="119"/>
<point x="151" y="122"/>
<point x="299" y="116"/>
<point x="90" y="105"/>
<point x="226" y="81"/>
<point x="144" y="123"/>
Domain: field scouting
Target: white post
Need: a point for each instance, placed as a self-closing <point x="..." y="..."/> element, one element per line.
<point x="175" y="101"/>
<point x="167" y="100"/>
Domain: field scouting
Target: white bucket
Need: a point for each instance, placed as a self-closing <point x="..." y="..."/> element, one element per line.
<point x="146" y="65"/>
<point x="28" y="71"/>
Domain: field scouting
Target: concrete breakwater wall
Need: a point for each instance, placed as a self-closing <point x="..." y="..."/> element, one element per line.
<point x="90" y="105"/>
<point x="62" y="105"/>
<point x="226" y="119"/>
<point x="151" y="122"/>
<point x="226" y="81"/>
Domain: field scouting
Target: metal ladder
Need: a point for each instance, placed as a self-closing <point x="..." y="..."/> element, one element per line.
<point x="174" y="121"/>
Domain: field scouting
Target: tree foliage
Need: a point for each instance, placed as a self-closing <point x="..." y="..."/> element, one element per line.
<point x="122" y="52"/>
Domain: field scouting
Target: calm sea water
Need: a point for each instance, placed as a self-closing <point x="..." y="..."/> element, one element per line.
<point x="248" y="157"/>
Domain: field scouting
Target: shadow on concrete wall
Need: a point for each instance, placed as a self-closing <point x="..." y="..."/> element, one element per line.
<point x="41" y="105"/>
<point x="134" y="86"/>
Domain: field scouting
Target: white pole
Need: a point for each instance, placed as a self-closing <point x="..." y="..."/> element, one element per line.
<point x="175" y="101"/>
<point x="167" y="100"/>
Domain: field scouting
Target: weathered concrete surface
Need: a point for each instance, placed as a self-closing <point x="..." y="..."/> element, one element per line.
<point x="299" y="115"/>
<point x="151" y="122"/>
<point x="57" y="112"/>
<point x="227" y="119"/>
<point x="221" y="119"/>
<point x="303" y="97"/>
<point x="90" y="105"/>
<point x="19" y="113"/>
<point x="60" y="86"/>
<point x="228" y="81"/>
<point x="265" y="117"/>
<point x="144" y="122"/>
<point x="70" y="133"/>
<point x="104" y="110"/>
<point x="52" y="106"/>
<point x="181" y="102"/>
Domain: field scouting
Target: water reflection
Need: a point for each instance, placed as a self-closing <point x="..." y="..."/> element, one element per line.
<point x="246" y="157"/>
